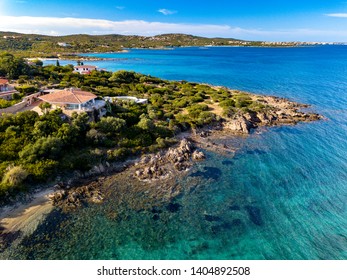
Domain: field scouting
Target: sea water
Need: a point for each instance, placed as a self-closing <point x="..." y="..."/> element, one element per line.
<point x="282" y="196"/>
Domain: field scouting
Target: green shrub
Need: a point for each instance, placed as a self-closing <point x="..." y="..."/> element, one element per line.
<point x="14" y="176"/>
<point x="27" y="89"/>
<point x="195" y="110"/>
<point x="118" y="154"/>
<point x="242" y="101"/>
<point x="7" y="103"/>
<point x="110" y="126"/>
<point x="43" y="148"/>
<point x="42" y="170"/>
<point x="84" y="162"/>
<point x="95" y="137"/>
<point x="206" y="118"/>
<point x="225" y="104"/>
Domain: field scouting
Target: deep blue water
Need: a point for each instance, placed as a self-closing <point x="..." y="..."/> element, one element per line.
<point x="283" y="196"/>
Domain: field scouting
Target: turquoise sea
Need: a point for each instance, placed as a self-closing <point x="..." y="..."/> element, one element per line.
<point x="283" y="195"/>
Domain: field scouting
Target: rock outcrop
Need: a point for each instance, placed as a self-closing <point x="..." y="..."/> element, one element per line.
<point x="238" y="125"/>
<point x="152" y="167"/>
<point x="198" y="155"/>
<point x="278" y="111"/>
<point x="70" y="199"/>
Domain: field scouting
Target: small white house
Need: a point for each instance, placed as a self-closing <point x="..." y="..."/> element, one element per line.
<point x="85" y="69"/>
<point x="63" y="44"/>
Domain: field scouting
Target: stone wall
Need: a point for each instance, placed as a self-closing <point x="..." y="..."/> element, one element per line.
<point x="15" y="108"/>
<point x="28" y="100"/>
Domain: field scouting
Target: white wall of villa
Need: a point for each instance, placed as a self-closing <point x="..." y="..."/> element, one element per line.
<point x="87" y="106"/>
<point x="127" y="98"/>
<point x="84" y="69"/>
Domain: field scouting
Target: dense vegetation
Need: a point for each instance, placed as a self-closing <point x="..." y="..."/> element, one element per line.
<point x="36" y="148"/>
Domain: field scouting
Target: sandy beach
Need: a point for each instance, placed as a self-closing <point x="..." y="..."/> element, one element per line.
<point x="21" y="219"/>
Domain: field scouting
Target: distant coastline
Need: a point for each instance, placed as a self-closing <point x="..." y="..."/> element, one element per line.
<point x="36" y="45"/>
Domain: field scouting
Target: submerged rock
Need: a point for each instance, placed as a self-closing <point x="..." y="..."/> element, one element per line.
<point x="208" y="173"/>
<point x="173" y="207"/>
<point x="156" y="217"/>
<point x="254" y="215"/>
<point x="235" y="208"/>
<point x="236" y="223"/>
<point x="212" y="218"/>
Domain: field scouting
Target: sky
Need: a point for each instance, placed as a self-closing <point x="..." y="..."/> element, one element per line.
<point x="265" y="20"/>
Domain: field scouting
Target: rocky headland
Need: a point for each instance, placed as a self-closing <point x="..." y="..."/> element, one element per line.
<point x="279" y="111"/>
<point x="151" y="180"/>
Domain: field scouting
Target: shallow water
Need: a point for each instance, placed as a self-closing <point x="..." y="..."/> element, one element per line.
<point x="283" y="195"/>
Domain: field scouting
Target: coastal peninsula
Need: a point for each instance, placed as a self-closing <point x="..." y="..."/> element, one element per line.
<point x="153" y="141"/>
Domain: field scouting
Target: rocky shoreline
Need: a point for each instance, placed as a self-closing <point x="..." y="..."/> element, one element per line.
<point x="279" y="111"/>
<point x="153" y="176"/>
<point x="149" y="169"/>
<point x="85" y="188"/>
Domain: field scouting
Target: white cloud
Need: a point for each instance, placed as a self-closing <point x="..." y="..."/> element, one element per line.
<point x="167" y="12"/>
<point x="120" y="8"/>
<point x="338" y="15"/>
<point x="72" y="25"/>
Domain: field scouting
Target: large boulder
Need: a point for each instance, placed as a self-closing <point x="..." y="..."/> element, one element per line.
<point x="181" y="153"/>
<point x="238" y="125"/>
<point x="198" y="155"/>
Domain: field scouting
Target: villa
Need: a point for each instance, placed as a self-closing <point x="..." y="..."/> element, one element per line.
<point x="75" y="100"/>
<point x="6" y="91"/>
<point x="85" y="69"/>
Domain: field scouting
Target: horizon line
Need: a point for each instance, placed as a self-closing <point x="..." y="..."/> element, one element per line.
<point x="174" y="33"/>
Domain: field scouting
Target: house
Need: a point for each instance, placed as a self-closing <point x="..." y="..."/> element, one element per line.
<point x="3" y="85"/>
<point x="85" y="69"/>
<point x="6" y="91"/>
<point x="75" y="100"/>
<point x="63" y="44"/>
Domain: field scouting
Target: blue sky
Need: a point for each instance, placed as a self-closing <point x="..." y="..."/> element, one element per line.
<point x="304" y="20"/>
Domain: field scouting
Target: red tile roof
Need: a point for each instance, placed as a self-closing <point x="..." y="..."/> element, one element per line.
<point x="68" y="96"/>
<point x="3" y="81"/>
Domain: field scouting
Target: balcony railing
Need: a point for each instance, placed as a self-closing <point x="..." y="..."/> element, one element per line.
<point x="89" y="106"/>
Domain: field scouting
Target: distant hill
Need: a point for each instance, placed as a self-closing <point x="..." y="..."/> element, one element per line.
<point x="34" y="44"/>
